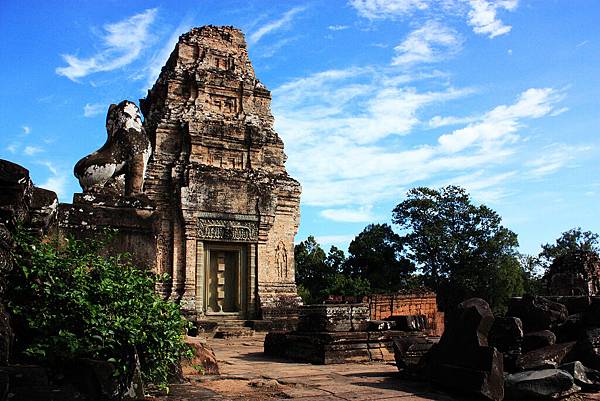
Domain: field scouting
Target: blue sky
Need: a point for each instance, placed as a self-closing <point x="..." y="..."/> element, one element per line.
<point x="371" y="97"/>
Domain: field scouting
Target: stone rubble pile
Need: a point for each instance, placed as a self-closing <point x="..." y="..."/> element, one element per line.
<point x="545" y="348"/>
<point x="339" y="333"/>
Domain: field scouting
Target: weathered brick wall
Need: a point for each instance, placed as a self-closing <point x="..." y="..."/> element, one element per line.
<point x="386" y="305"/>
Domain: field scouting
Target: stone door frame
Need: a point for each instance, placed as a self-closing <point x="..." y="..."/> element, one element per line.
<point x="245" y="280"/>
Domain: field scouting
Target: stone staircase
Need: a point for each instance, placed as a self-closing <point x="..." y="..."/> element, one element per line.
<point x="231" y="328"/>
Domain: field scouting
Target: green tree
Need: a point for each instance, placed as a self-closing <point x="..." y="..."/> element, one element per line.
<point x="67" y="302"/>
<point x="461" y="249"/>
<point x="375" y="255"/>
<point x="318" y="275"/>
<point x="574" y="255"/>
<point x="311" y="270"/>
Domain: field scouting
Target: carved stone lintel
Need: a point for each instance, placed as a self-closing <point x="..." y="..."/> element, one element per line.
<point x="227" y="230"/>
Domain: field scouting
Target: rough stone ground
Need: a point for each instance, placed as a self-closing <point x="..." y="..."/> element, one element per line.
<point x="247" y="374"/>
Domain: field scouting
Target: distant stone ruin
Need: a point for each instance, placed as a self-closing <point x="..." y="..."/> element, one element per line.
<point x="198" y="190"/>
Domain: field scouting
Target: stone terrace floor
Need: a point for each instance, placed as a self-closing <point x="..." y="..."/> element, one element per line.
<point x="247" y="374"/>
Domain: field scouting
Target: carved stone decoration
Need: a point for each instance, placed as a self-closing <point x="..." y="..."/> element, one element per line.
<point x="215" y="184"/>
<point x="120" y="164"/>
<point x="226" y="230"/>
<point x="282" y="260"/>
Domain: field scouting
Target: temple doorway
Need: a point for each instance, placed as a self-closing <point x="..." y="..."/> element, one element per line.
<point x="226" y="280"/>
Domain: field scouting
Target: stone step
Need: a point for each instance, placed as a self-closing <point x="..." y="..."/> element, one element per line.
<point x="233" y="332"/>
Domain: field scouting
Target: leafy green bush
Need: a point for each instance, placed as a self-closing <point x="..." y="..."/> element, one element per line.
<point x="69" y="302"/>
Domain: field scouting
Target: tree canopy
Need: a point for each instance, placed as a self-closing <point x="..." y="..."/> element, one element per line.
<point x="319" y="275"/>
<point x="376" y="255"/>
<point x="572" y="263"/>
<point x="461" y="249"/>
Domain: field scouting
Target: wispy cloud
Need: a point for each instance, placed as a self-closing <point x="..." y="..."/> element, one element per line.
<point x="273" y="26"/>
<point x="358" y="215"/>
<point x="57" y="181"/>
<point x="159" y="58"/>
<point x="500" y="124"/>
<point x="32" y="150"/>
<point x="13" y="147"/>
<point x="483" y="16"/>
<point x="375" y="9"/>
<point x="338" y="240"/>
<point x="342" y="131"/>
<point x="430" y="43"/>
<point x="338" y="27"/>
<point x="585" y="42"/>
<point x="439" y="121"/>
<point x="94" y="109"/>
<point x="122" y="42"/>
<point x="554" y="157"/>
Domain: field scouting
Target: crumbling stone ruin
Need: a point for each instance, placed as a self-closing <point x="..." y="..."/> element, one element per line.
<point x="542" y="349"/>
<point x="198" y="190"/>
<point x="364" y="331"/>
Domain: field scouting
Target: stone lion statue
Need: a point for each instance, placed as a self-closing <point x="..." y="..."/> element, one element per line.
<point x="120" y="164"/>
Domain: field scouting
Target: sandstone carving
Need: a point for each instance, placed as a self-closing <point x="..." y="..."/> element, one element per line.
<point x="216" y="209"/>
<point x="120" y="164"/>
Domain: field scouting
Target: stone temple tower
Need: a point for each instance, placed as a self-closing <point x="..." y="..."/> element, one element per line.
<point x="205" y="197"/>
<point x="227" y="209"/>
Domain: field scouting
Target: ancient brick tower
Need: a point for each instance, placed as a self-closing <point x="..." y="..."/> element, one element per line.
<point x="199" y="190"/>
<point x="228" y="211"/>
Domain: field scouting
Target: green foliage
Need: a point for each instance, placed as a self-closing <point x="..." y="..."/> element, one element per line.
<point x="318" y="275"/>
<point x="340" y="284"/>
<point x="569" y="243"/>
<point x="576" y="253"/>
<point x="68" y="302"/>
<point x="375" y="255"/>
<point x="461" y="249"/>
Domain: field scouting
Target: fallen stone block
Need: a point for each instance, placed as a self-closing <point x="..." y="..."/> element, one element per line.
<point x="506" y="335"/>
<point x="538" y="339"/>
<point x="540" y="384"/>
<point x="585" y="377"/>
<point x="570" y="330"/>
<point x="537" y="313"/>
<point x="587" y="349"/>
<point x="409" y="322"/>
<point x="408" y="351"/>
<point x="203" y="362"/>
<point x="462" y="360"/>
<point x="545" y="358"/>
<point x="379" y="325"/>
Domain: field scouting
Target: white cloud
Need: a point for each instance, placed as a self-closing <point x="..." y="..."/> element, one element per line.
<point x="553" y="158"/>
<point x="13" y="147"/>
<point x="57" y="181"/>
<point x="482" y="15"/>
<point x="483" y="18"/>
<point x="338" y="27"/>
<point x="32" y="150"/>
<point x="430" y="43"/>
<point x="340" y="240"/>
<point x="26" y="129"/>
<point x="375" y="9"/>
<point x="159" y="59"/>
<point x="439" y="121"/>
<point x="499" y="125"/>
<point x="272" y="26"/>
<point x="344" y="132"/>
<point x="92" y="110"/>
<point x="359" y="215"/>
<point x="122" y="43"/>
